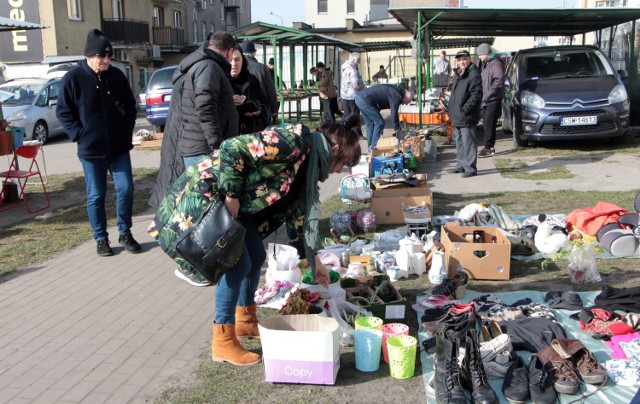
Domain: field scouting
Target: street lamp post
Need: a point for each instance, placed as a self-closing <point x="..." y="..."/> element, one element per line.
<point x="279" y="16"/>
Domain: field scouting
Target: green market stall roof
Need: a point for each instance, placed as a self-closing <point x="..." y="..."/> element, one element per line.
<point x="438" y="43"/>
<point x="8" y="24"/>
<point x="510" y="22"/>
<point x="263" y="33"/>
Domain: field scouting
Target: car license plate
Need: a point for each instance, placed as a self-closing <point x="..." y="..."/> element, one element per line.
<point x="578" y="120"/>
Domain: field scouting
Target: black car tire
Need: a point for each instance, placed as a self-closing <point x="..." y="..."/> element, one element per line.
<point x="159" y="128"/>
<point x="517" y="140"/>
<point x="41" y="132"/>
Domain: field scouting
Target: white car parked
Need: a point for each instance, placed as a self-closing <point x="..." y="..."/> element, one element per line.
<point x="33" y="107"/>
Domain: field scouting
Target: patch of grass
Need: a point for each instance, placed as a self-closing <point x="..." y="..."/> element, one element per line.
<point x="629" y="143"/>
<point x="519" y="169"/>
<point x="43" y="235"/>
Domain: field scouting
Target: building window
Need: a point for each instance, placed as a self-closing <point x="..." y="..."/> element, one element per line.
<point x="351" y="6"/>
<point x="195" y="31"/>
<point x="323" y="6"/>
<point x="118" y="9"/>
<point x="158" y="16"/>
<point x="74" y="9"/>
<point x="230" y="18"/>
<point x="177" y="19"/>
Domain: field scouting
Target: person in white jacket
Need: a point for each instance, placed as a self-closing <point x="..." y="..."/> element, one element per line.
<point x="350" y="84"/>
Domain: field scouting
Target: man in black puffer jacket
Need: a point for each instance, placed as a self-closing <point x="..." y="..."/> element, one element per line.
<point x="464" y="112"/>
<point x="98" y="111"/>
<point x="207" y="112"/>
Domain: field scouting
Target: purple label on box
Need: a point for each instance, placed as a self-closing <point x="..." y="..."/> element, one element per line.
<point x="305" y="372"/>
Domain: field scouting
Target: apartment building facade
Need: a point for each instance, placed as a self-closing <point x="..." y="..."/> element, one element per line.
<point x="145" y="34"/>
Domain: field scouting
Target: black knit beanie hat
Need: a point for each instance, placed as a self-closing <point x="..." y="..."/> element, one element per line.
<point x="97" y="44"/>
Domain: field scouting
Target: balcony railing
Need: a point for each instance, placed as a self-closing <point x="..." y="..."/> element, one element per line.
<point x="126" y="31"/>
<point x="168" y="36"/>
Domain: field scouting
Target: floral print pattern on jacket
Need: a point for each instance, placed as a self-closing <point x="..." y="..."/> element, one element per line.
<point x="257" y="168"/>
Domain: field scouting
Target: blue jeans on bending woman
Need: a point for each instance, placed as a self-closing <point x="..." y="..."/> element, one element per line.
<point x="238" y="286"/>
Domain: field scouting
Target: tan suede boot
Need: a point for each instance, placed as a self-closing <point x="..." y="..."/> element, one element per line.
<point x="225" y="347"/>
<point x="246" y="322"/>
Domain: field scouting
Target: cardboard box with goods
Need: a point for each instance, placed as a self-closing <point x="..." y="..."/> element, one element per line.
<point x="483" y="252"/>
<point x="300" y="349"/>
<point x="391" y="307"/>
<point x="388" y="208"/>
<point x="385" y="189"/>
<point x="380" y="151"/>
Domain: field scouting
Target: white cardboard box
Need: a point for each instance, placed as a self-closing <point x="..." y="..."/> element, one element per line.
<point x="300" y="349"/>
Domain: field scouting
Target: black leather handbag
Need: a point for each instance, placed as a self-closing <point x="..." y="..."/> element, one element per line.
<point x="214" y="242"/>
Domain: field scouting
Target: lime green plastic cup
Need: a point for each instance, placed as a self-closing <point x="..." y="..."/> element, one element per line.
<point x="402" y="356"/>
<point x="369" y="322"/>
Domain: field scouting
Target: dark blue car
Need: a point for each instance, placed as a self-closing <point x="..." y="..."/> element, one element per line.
<point x="158" y="97"/>
<point x="563" y="93"/>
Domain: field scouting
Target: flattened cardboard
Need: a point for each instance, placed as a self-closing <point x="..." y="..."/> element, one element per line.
<point x="301" y="349"/>
<point x="489" y="259"/>
<point x="388" y="209"/>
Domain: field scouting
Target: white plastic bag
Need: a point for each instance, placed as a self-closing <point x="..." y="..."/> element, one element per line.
<point x="340" y="309"/>
<point x="582" y="266"/>
<point x="282" y="261"/>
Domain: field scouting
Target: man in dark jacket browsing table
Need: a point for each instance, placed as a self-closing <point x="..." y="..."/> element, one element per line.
<point x="374" y="99"/>
<point x="98" y="111"/>
<point x="464" y="113"/>
<point x="492" y="72"/>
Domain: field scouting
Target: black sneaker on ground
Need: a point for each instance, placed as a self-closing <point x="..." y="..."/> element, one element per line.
<point x="486" y="152"/>
<point x="104" y="250"/>
<point x="129" y="243"/>
<point x="468" y="174"/>
<point x="456" y="170"/>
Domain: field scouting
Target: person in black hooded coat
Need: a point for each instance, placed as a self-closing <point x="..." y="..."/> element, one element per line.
<point x="246" y="90"/>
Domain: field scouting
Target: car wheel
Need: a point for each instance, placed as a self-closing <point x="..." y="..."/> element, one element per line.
<point x="517" y="141"/>
<point x="40" y="132"/>
<point x="159" y="128"/>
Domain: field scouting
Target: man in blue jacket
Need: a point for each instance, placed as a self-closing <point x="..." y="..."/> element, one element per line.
<point x="98" y="111"/>
<point x="464" y="113"/>
<point x="374" y="99"/>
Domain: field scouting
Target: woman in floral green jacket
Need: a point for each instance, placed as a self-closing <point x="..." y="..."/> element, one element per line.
<point x="269" y="178"/>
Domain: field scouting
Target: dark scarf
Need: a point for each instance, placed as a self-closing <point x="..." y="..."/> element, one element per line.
<point x="317" y="171"/>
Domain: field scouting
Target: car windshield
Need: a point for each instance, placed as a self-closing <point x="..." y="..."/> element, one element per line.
<point x="24" y="92"/>
<point x="161" y="80"/>
<point x="558" y="63"/>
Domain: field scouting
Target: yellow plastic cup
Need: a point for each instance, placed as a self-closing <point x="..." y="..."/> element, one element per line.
<point x="402" y="356"/>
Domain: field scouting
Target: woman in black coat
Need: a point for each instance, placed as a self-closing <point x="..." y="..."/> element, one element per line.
<point x="248" y="97"/>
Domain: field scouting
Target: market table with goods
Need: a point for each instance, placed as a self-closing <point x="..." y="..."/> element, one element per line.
<point x="518" y="346"/>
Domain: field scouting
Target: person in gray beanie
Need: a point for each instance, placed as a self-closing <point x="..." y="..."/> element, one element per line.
<point x="492" y="72"/>
<point x="98" y="111"/>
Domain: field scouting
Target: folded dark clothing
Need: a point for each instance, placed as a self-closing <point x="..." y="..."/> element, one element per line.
<point x="563" y="300"/>
<point x="532" y="333"/>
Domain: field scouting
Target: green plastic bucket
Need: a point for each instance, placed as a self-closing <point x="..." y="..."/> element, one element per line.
<point x="402" y="356"/>
<point x="388" y="331"/>
<point x="368" y="322"/>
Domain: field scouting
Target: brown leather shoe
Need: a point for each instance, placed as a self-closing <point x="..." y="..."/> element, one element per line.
<point x="246" y="323"/>
<point x="225" y="347"/>
<point x="586" y="364"/>
<point x="564" y="377"/>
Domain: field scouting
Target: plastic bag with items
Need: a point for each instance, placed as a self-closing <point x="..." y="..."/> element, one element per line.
<point x="341" y="311"/>
<point x="582" y="266"/>
<point x="282" y="264"/>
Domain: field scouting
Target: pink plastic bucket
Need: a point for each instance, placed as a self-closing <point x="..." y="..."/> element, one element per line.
<point x="389" y="330"/>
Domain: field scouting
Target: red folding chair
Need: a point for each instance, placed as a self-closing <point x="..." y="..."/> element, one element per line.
<point x="26" y="152"/>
